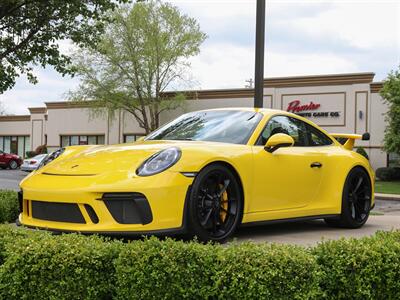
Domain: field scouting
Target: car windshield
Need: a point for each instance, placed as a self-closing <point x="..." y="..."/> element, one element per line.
<point x="226" y="126"/>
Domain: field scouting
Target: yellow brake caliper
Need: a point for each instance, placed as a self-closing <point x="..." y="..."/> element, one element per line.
<point x="224" y="204"/>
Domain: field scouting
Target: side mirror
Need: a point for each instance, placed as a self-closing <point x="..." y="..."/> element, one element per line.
<point x="277" y="141"/>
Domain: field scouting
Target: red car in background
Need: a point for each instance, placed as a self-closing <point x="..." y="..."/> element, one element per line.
<point x="11" y="161"/>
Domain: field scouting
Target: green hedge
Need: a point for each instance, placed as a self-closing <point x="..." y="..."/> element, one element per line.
<point x="368" y="268"/>
<point x="388" y="174"/>
<point x="9" y="206"/>
<point x="42" y="266"/>
<point x="38" y="265"/>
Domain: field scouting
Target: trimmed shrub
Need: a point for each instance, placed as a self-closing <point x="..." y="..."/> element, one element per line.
<point x="361" y="150"/>
<point x="7" y="235"/>
<point x="72" y="266"/>
<point x="388" y="174"/>
<point x="156" y="269"/>
<point x="367" y="268"/>
<point x="267" y="271"/>
<point x="9" y="207"/>
<point x="38" y="265"/>
<point x="174" y="270"/>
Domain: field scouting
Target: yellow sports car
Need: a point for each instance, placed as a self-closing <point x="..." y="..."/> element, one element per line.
<point x="205" y="173"/>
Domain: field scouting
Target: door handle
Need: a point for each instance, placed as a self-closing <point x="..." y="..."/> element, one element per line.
<point x="316" y="165"/>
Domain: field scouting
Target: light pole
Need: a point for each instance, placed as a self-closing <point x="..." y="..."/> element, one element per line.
<point x="259" y="61"/>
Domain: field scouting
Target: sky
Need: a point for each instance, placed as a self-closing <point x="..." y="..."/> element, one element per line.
<point x="302" y="38"/>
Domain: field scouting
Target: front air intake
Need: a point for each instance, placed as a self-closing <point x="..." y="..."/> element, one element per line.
<point x="57" y="212"/>
<point x="128" y="208"/>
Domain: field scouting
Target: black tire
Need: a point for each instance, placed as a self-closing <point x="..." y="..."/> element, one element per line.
<point x="13" y="165"/>
<point x="215" y="205"/>
<point x="356" y="200"/>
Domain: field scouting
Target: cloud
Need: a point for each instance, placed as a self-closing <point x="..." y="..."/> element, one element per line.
<point x="51" y="87"/>
<point x="303" y="37"/>
<point x="228" y="65"/>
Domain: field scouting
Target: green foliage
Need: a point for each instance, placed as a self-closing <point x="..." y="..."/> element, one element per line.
<point x="388" y="174"/>
<point x="390" y="92"/>
<point x="361" y="150"/>
<point x="30" y="30"/>
<point x="367" y="268"/>
<point x="9" y="207"/>
<point x="266" y="271"/>
<point x="156" y="269"/>
<point x="144" y="51"/>
<point x="71" y="266"/>
<point x="38" y="265"/>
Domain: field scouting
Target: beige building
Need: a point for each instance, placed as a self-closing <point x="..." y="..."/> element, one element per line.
<point x="339" y="103"/>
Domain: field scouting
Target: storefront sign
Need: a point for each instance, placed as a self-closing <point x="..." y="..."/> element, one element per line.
<point x="324" y="109"/>
<point x="296" y="107"/>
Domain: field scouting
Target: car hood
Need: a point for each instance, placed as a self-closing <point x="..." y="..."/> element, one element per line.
<point x="94" y="160"/>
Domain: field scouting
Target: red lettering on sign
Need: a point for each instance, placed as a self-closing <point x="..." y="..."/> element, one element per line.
<point x="295" y="106"/>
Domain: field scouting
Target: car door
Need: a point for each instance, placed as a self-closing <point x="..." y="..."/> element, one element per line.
<point x="289" y="177"/>
<point x="2" y="159"/>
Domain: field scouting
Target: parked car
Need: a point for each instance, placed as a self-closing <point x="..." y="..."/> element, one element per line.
<point x="11" y="161"/>
<point x="205" y="173"/>
<point x="33" y="163"/>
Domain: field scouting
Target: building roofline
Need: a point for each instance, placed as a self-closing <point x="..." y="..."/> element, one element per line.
<point x="279" y="82"/>
<point x="375" y="87"/>
<point x="317" y="80"/>
<point x="67" y="104"/>
<point x="37" y="110"/>
<point x="15" y="118"/>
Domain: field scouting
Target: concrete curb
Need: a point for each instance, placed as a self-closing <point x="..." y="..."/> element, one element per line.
<point x="390" y="197"/>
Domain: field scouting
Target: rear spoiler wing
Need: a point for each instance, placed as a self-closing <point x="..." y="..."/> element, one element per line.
<point x="350" y="138"/>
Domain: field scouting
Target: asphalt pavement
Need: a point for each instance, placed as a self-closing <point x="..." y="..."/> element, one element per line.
<point x="10" y="179"/>
<point x="385" y="216"/>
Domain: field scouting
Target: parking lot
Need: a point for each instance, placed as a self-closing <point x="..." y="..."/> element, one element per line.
<point x="385" y="216"/>
<point x="10" y="179"/>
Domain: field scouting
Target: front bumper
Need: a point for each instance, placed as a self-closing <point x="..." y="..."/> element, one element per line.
<point x="100" y="204"/>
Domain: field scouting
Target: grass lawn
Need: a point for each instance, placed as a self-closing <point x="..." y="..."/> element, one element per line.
<point x="387" y="187"/>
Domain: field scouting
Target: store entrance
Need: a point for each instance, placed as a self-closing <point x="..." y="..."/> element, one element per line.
<point x="14" y="145"/>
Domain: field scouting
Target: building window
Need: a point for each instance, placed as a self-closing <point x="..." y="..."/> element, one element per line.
<point x="71" y="140"/>
<point x="393" y="160"/>
<point x="15" y="144"/>
<point x="130" y="138"/>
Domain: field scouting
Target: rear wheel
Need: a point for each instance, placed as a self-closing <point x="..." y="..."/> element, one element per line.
<point x="13" y="165"/>
<point x="215" y="205"/>
<point x="356" y="200"/>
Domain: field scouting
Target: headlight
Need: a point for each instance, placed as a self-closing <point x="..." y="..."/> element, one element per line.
<point x="159" y="162"/>
<point x="49" y="158"/>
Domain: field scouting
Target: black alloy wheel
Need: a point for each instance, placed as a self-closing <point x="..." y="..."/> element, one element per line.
<point x="216" y="204"/>
<point x="356" y="200"/>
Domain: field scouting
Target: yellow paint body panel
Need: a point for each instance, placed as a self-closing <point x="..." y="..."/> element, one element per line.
<point x="278" y="185"/>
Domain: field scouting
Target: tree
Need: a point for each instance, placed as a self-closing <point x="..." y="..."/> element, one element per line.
<point x="390" y="92"/>
<point x="143" y="52"/>
<point x="30" y="30"/>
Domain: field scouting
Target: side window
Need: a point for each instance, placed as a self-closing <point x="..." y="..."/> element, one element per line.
<point x="316" y="137"/>
<point x="282" y="124"/>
